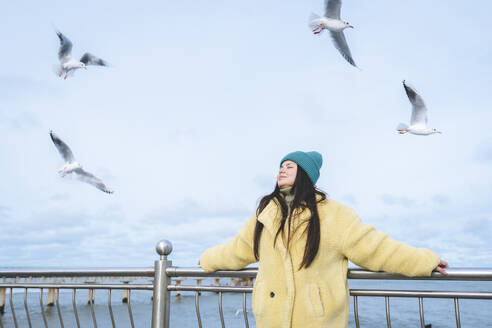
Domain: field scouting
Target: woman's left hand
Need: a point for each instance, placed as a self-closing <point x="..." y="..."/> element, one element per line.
<point x="441" y="266"/>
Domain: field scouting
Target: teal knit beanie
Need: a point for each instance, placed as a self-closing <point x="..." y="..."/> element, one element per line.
<point x="310" y="162"/>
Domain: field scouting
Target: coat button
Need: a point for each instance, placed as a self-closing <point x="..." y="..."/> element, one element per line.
<point x="272" y="294"/>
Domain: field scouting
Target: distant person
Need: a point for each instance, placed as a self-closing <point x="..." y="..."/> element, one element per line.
<point x="303" y="242"/>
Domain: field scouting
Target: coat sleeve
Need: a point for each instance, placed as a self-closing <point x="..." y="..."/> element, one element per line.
<point x="374" y="250"/>
<point x="233" y="255"/>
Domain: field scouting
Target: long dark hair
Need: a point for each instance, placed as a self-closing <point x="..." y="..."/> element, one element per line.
<point x="305" y="198"/>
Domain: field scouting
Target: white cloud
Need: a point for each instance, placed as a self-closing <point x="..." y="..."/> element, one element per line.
<point x="350" y="199"/>
<point x="398" y="200"/>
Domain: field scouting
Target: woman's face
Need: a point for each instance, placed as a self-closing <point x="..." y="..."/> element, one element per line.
<point x="287" y="174"/>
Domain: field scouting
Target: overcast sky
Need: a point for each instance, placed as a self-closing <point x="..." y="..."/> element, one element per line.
<point x="202" y="100"/>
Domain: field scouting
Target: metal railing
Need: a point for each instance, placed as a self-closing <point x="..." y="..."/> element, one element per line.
<point x="159" y="281"/>
<point x="461" y="274"/>
<point x="56" y="280"/>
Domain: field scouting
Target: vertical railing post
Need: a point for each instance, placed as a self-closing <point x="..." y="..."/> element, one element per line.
<point x="162" y="296"/>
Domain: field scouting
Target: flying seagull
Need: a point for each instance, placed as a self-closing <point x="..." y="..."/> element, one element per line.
<point x="418" y="121"/>
<point x="68" y="64"/>
<point x="72" y="166"/>
<point x="331" y="21"/>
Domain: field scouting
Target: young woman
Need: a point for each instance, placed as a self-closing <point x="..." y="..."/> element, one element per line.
<point x="303" y="242"/>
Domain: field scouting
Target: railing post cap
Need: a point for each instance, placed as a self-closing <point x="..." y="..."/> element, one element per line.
<point x="164" y="247"/>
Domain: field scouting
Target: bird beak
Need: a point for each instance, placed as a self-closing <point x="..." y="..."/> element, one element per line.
<point x="439" y="132"/>
<point x="85" y="67"/>
<point x="350" y="26"/>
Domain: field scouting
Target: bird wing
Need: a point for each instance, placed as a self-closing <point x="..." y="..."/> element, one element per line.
<point x="65" y="51"/>
<point x="341" y="44"/>
<point x="63" y="148"/>
<point x="90" y="178"/>
<point x="89" y="59"/>
<point x="332" y="8"/>
<point x="419" y="110"/>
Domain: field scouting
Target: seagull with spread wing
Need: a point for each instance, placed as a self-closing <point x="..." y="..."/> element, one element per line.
<point x="68" y="64"/>
<point x="418" y="121"/>
<point x="72" y="166"/>
<point x="331" y="21"/>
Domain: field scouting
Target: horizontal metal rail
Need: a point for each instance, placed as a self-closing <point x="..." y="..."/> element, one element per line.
<point x="79" y="286"/>
<point x="214" y="289"/>
<point x="353" y="292"/>
<point x="472" y="274"/>
<point x="106" y="272"/>
<point x="420" y="293"/>
<point x="475" y="274"/>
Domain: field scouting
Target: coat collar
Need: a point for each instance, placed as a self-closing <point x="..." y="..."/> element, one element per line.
<point x="271" y="216"/>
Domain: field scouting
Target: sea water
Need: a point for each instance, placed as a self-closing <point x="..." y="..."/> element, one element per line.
<point x="404" y="311"/>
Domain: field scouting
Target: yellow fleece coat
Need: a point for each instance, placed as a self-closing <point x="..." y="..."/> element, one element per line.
<point x="317" y="296"/>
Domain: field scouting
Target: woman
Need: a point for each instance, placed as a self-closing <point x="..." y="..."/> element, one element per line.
<point x="303" y="242"/>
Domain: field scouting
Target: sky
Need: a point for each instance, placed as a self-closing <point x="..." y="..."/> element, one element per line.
<point x="203" y="98"/>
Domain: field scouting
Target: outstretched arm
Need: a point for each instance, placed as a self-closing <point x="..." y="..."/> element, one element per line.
<point x="376" y="251"/>
<point x="233" y="255"/>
